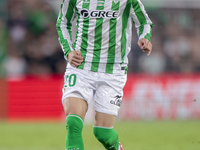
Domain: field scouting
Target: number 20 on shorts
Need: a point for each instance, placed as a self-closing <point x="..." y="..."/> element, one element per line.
<point x="70" y="80"/>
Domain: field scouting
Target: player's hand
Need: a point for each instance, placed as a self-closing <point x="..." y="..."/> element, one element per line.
<point x="145" y="45"/>
<point x="75" y="58"/>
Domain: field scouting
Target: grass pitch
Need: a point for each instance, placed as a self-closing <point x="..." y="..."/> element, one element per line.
<point x="165" y="135"/>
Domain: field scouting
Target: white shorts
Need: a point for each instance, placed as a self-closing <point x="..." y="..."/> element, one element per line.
<point x="105" y="89"/>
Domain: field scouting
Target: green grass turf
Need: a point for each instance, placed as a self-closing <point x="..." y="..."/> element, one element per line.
<point x="152" y="135"/>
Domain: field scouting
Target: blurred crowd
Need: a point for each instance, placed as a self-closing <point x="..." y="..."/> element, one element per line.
<point x="176" y="42"/>
<point x="33" y="47"/>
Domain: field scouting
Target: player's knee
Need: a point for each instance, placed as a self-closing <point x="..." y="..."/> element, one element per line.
<point x="101" y="137"/>
<point x="74" y="124"/>
<point x="107" y="137"/>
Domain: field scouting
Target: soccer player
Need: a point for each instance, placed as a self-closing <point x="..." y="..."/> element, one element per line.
<point x="97" y="68"/>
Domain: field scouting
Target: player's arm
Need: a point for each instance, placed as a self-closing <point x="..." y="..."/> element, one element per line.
<point x="143" y="25"/>
<point x="64" y="25"/>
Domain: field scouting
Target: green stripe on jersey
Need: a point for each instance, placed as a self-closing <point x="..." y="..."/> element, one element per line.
<point x="63" y="41"/>
<point x="76" y="36"/>
<point x="97" y="41"/>
<point x="125" y="17"/>
<point x="84" y="37"/>
<point x="69" y="15"/>
<point x="112" y="40"/>
<point x="139" y="13"/>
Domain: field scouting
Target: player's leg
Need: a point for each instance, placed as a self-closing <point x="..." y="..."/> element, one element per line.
<point x="77" y="94"/>
<point x="74" y="105"/>
<point x="108" y="99"/>
<point x="75" y="109"/>
<point x="104" y="132"/>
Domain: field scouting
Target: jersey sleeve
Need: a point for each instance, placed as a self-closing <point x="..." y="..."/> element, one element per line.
<point x="142" y="22"/>
<point x="64" y="25"/>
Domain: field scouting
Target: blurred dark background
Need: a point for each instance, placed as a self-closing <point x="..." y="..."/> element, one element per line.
<point x="32" y="41"/>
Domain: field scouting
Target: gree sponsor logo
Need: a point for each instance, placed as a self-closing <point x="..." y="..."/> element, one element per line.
<point x="99" y="14"/>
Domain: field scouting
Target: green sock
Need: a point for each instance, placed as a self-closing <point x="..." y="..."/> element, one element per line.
<point x="107" y="136"/>
<point x="74" y="126"/>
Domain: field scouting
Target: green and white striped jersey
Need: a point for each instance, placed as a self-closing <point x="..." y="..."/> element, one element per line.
<point x="104" y="31"/>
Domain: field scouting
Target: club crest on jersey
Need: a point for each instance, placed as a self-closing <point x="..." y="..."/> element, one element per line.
<point x="99" y="14"/>
<point x="116" y="1"/>
<point x="100" y="3"/>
